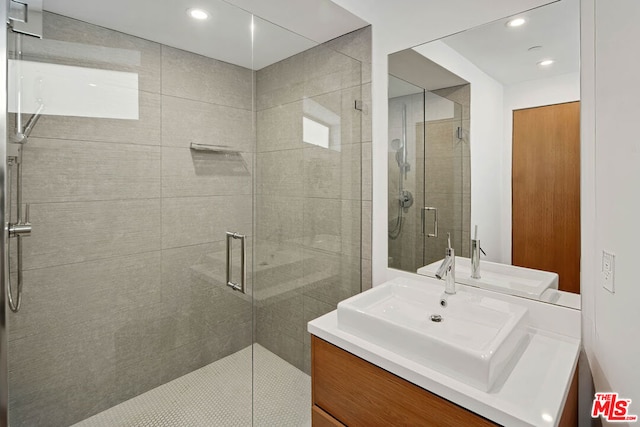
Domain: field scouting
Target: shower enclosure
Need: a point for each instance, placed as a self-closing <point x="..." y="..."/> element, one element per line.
<point x="190" y="210"/>
<point x="429" y="192"/>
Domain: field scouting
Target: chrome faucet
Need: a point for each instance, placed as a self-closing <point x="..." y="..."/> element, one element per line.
<point x="448" y="269"/>
<point x="475" y="259"/>
<point x="475" y="256"/>
<point x="476" y="249"/>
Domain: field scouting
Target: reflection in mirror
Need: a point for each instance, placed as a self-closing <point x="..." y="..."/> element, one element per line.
<point x="484" y="132"/>
<point x="426" y="173"/>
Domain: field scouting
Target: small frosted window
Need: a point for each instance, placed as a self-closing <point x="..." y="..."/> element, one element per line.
<point x="315" y="133"/>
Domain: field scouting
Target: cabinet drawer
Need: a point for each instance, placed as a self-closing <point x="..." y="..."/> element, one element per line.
<point x="319" y="418"/>
<point x="358" y="393"/>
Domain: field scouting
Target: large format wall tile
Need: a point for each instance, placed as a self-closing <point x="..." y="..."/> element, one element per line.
<point x="333" y="225"/>
<point x="279" y="172"/>
<point x="196" y="354"/>
<point x="356" y="44"/>
<point x="187" y="172"/>
<point x="194" y="290"/>
<point x="283" y="314"/>
<point x="280" y="219"/>
<point x="190" y="76"/>
<point x="60" y="170"/>
<point x="366" y="230"/>
<point x="367" y="171"/>
<point x="145" y="130"/>
<point x="367" y="113"/>
<point x="280" y="83"/>
<point x="337" y="110"/>
<point x="56" y="297"/>
<point x="65" y="233"/>
<point x="185" y="121"/>
<point x="72" y="42"/>
<point x="282" y="345"/>
<point x="61" y="380"/>
<point x="193" y="220"/>
<point x="326" y="70"/>
<point x="337" y="277"/>
<point x="280" y="127"/>
<point x="333" y="174"/>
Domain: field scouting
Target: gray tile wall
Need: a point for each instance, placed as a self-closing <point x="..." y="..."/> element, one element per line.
<point x="313" y="204"/>
<point x="124" y="270"/>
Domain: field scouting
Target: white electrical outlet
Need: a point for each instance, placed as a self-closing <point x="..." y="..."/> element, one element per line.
<point x="608" y="271"/>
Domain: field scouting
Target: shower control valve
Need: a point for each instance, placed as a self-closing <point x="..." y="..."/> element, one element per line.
<point x="406" y="199"/>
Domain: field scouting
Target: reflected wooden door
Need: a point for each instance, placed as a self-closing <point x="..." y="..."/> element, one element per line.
<point x="546" y="191"/>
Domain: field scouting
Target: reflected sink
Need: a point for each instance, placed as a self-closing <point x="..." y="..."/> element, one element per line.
<point x="519" y="281"/>
<point x="477" y="342"/>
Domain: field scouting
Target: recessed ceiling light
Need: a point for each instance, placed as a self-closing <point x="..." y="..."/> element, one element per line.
<point x="546" y="62"/>
<point x="198" y="14"/>
<point x="516" y="22"/>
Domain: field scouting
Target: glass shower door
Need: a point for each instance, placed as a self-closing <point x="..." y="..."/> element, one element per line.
<point x="307" y="255"/>
<point x="191" y="210"/>
<point x="141" y="162"/>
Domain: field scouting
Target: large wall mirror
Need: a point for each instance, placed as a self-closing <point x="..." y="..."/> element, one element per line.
<point x="484" y="133"/>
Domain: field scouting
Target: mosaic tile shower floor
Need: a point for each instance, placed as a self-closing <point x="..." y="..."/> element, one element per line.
<point x="220" y="394"/>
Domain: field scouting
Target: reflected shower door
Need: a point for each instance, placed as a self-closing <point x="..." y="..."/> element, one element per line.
<point x="405" y="175"/>
<point x="444" y="179"/>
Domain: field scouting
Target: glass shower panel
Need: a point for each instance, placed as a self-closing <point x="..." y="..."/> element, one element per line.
<point x="405" y="175"/>
<point x="142" y="160"/>
<point x="307" y="254"/>
<point x="444" y="187"/>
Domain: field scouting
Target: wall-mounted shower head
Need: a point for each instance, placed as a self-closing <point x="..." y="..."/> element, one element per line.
<point x="22" y="134"/>
<point x="32" y="122"/>
<point x="396" y="145"/>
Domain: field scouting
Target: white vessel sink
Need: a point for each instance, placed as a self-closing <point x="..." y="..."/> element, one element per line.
<point x="520" y="281"/>
<point x="478" y="340"/>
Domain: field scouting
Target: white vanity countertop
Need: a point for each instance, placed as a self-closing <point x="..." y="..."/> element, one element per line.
<point x="532" y="395"/>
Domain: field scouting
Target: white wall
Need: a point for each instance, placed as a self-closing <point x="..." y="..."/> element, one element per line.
<point x="534" y="93"/>
<point x="486" y="144"/>
<point x="398" y="25"/>
<point x="611" y="165"/>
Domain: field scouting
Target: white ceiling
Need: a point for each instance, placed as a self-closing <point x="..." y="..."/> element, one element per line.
<point x="226" y="35"/>
<point x="502" y="52"/>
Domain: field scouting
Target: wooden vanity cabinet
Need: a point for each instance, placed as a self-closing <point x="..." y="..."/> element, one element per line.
<point x="350" y="391"/>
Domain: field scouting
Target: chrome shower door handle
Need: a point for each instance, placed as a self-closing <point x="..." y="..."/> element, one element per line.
<point x="243" y="267"/>
<point x="435" y="221"/>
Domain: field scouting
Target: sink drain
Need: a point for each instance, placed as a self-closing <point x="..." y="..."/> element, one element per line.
<point x="436" y="318"/>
